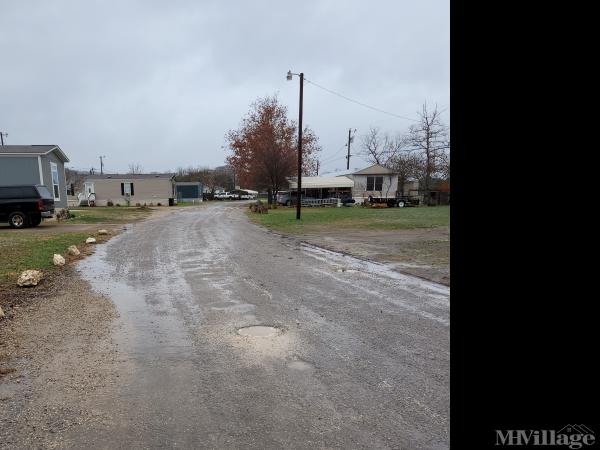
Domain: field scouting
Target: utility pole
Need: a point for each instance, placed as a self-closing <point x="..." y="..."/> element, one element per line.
<point x="350" y="139"/>
<point x="317" y="167"/>
<point x="2" y="136"/>
<point x="299" y="198"/>
<point x="101" y="164"/>
<point x="299" y="191"/>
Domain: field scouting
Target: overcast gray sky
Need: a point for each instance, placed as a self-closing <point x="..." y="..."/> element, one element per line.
<point x="159" y="83"/>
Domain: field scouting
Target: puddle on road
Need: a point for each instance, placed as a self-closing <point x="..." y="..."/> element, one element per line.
<point x="149" y="324"/>
<point x="376" y="269"/>
<point x="259" y="331"/>
<point x="300" y="365"/>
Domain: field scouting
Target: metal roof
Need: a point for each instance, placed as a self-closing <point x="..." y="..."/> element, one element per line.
<point x="322" y="182"/>
<point x="375" y="169"/>
<point x="129" y="176"/>
<point x="32" y="150"/>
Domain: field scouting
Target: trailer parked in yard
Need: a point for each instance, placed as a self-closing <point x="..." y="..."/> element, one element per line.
<point x="399" y="201"/>
<point x="405" y="200"/>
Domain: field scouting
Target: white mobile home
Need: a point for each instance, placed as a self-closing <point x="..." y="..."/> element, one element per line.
<point x="129" y="189"/>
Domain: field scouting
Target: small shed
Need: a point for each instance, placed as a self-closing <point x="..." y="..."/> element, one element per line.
<point x="189" y="191"/>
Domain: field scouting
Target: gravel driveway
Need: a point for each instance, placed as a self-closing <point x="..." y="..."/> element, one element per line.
<point x="358" y="357"/>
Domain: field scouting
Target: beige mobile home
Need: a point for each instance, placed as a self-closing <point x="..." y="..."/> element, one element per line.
<point x="129" y="189"/>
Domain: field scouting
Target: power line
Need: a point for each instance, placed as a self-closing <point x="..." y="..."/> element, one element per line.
<point x="359" y="103"/>
<point x="334" y="155"/>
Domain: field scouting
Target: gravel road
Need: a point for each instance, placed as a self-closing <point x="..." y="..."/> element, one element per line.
<point x="359" y="357"/>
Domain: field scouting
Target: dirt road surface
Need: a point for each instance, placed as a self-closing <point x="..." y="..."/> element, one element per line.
<point x="359" y="357"/>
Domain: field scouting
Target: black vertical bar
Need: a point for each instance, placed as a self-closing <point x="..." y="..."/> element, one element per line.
<point x="299" y="194"/>
<point x="348" y="157"/>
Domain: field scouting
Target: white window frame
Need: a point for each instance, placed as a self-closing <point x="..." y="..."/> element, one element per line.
<point x="126" y="187"/>
<point x="53" y="169"/>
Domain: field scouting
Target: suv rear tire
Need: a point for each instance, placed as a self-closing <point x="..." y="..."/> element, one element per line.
<point x="18" y="220"/>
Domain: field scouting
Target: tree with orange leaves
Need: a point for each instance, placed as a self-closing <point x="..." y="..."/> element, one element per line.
<point x="265" y="149"/>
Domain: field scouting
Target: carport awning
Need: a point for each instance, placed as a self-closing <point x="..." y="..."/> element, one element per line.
<point x="323" y="182"/>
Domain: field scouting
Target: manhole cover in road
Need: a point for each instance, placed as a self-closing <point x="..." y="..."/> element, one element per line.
<point x="258" y="331"/>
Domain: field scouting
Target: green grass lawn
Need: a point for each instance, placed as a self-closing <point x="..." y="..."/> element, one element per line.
<point x="355" y="218"/>
<point x="107" y="214"/>
<point x="22" y="251"/>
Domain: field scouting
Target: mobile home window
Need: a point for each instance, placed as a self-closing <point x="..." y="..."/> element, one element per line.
<point x="55" y="184"/>
<point x="374" y="183"/>
<point x="127" y="189"/>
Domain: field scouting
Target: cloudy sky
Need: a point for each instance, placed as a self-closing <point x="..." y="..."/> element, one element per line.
<point x="159" y="83"/>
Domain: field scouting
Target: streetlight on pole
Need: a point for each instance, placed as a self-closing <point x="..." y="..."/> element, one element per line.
<point x="299" y="186"/>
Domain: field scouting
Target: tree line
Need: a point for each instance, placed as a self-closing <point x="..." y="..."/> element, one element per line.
<point x="219" y="177"/>
<point x="422" y="153"/>
<point x="265" y="147"/>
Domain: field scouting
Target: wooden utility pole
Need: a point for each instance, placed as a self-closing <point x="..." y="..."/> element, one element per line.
<point x="299" y="195"/>
<point x="2" y="134"/>
<point x="350" y="139"/>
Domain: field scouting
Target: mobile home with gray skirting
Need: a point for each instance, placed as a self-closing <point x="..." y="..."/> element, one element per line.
<point x="35" y="164"/>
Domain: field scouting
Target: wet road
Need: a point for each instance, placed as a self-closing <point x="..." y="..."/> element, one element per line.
<point x="361" y="359"/>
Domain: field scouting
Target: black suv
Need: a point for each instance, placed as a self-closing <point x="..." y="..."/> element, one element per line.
<point x="24" y="206"/>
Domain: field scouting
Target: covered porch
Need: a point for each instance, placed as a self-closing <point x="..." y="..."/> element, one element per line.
<point x="321" y="188"/>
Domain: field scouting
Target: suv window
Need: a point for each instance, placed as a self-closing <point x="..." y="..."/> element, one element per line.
<point x="18" y="192"/>
<point x="44" y="192"/>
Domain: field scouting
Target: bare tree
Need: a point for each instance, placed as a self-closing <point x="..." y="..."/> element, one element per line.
<point x="373" y="146"/>
<point x="135" y="168"/>
<point x="429" y="139"/>
<point x="207" y="177"/>
<point x="74" y="179"/>
<point x="406" y="165"/>
<point x="381" y="148"/>
<point x="211" y="178"/>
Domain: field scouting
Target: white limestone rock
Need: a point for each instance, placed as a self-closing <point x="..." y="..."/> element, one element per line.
<point x="73" y="250"/>
<point x="29" y="278"/>
<point x="58" y="260"/>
